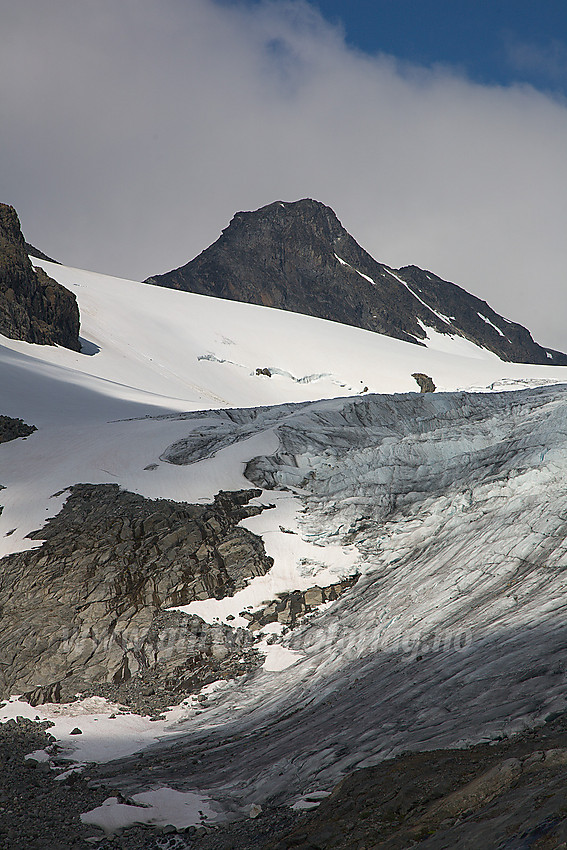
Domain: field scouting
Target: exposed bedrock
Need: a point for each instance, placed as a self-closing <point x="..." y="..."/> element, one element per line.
<point x="33" y="307"/>
<point x="89" y="605"/>
<point x="290" y="608"/>
<point x="508" y="796"/>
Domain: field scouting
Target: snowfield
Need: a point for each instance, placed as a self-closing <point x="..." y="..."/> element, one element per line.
<point x="452" y="506"/>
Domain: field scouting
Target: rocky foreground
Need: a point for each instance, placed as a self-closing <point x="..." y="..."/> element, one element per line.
<point x="89" y="607"/>
<point x="511" y="795"/>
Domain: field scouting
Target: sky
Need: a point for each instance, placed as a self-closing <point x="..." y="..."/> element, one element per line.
<point x="491" y="41"/>
<point x="131" y="132"/>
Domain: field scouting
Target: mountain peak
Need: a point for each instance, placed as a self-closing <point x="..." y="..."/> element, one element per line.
<point x="297" y="221"/>
<point x="297" y="256"/>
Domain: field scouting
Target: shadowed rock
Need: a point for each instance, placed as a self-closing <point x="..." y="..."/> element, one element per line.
<point x="11" y="429"/>
<point x="39" y="255"/>
<point x="33" y="307"/>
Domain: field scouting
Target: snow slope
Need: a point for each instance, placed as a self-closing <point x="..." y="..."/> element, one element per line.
<point x="443" y="503"/>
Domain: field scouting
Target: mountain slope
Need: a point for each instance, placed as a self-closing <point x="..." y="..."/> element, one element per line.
<point x="297" y="256"/>
<point x="33" y="307"/>
<point x="449" y="505"/>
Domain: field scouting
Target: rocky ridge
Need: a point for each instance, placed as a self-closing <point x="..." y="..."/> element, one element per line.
<point x="88" y="607"/>
<point x="39" y="255"/>
<point x="298" y="257"/>
<point x="289" y="608"/>
<point x="33" y="307"/>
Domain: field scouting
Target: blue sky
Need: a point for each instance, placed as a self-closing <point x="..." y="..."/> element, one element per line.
<point x="491" y="41"/>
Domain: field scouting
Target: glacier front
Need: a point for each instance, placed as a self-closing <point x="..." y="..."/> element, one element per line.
<point x="456" y="505"/>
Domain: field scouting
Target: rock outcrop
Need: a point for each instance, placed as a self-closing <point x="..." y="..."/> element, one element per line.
<point x="11" y="429"/>
<point x="298" y="257"/>
<point x="289" y="608"/>
<point x="33" y="307"/>
<point x="424" y="382"/>
<point x="89" y="606"/>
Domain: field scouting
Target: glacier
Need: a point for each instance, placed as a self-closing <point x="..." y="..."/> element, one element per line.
<point x="457" y="506"/>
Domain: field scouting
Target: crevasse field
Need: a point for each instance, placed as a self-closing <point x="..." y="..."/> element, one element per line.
<point x="451" y="506"/>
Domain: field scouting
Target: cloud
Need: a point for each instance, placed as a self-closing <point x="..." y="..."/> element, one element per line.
<point x="132" y="132"/>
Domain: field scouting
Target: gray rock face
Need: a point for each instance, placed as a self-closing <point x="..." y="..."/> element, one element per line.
<point x="298" y="256"/>
<point x="33" y="307"/>
<point x="89" y="605"/>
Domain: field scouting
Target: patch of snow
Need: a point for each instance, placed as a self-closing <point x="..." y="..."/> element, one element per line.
<point x="310" y="800"/>
<point x="492" y="325"/>
<point x="159" y="807"/>
<point x="278" y="657"/>
<point x="298" y="563"/>
<point x="102" y="739"/>
<point x="365" y="276"/>
<point x="443" y="318"/>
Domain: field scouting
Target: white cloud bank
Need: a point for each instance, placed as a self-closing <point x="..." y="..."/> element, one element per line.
<point x="131" y="132"/>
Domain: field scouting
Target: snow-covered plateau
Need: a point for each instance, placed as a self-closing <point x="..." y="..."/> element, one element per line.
<point x="451" y="506"/>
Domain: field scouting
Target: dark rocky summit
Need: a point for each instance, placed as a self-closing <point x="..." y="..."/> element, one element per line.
<point x="89" y="606"/>
<point x="298" y="257"/>
<point x="33" y="307"/>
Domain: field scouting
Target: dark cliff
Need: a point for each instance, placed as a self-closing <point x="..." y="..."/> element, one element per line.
<point x="33" y="307"/>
